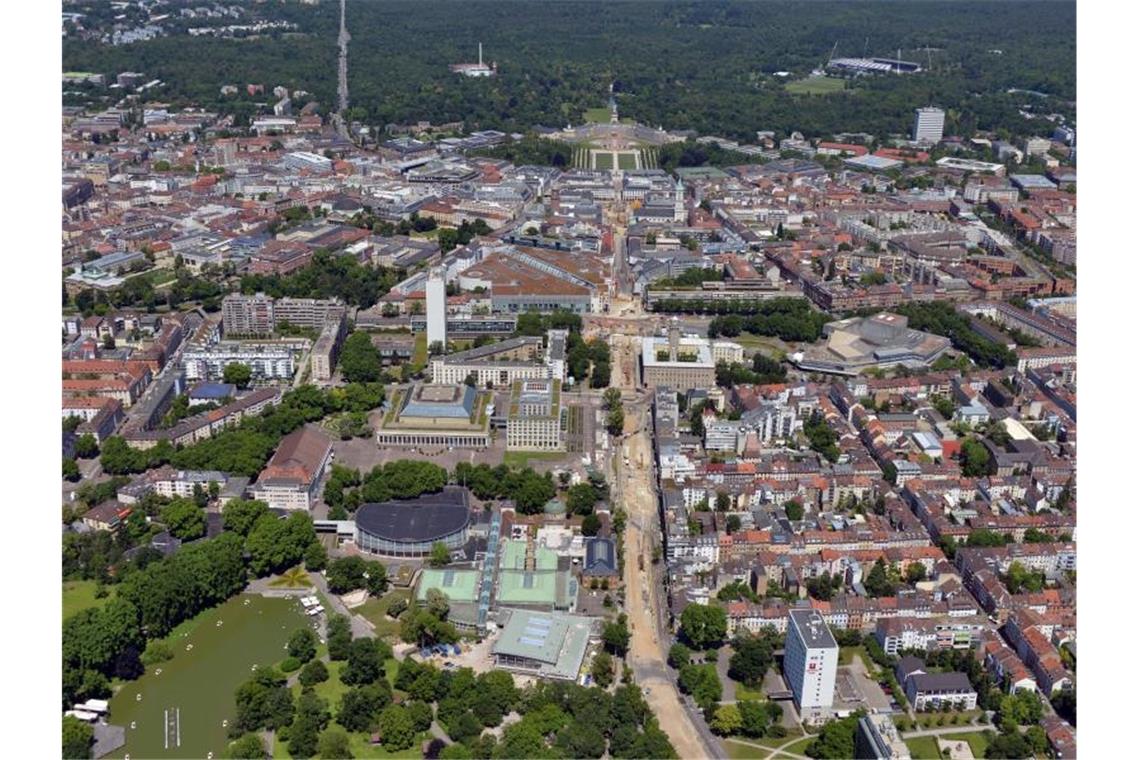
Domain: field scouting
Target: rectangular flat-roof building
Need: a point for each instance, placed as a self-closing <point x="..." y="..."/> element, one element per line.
<point x="545" y="645"/>
<point x="811" y="657"/>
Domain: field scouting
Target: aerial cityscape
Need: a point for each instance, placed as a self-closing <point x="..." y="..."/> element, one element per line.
<point x="578" y="379"/>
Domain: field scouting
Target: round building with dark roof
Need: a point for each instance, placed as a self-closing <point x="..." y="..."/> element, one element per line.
<point x="409" y="528"/>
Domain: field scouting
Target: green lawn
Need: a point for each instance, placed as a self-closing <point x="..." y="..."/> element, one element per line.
<point x="224" y="644"/>
<point x="627" y="161"/>
<point x="604" y="161"/>
<point x="521" y="458"/>
<point x="923" y="748"/>
<point x="743" y="692"/>
<point x="597" y="115"/>
<point x="976" y="740"/>
<point x="79" y="595"/>
<point x="375" y="611"/>
<point x="815" y="86"/>
<point x="738" y="750"/>
<point x="362" y="748"/>
<point x="771" y="346"/>
<point x="420" y="353"/>
<point x="391" y="669"/>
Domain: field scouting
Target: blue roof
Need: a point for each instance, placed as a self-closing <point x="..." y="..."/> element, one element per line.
<point x="213" y="391"/>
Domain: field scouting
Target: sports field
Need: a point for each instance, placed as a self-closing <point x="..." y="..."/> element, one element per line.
<point x="211" y="660"/>
<point x="815" y="86"/>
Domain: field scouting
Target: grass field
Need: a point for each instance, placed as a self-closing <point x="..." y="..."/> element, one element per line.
<point x="79" y="595"/>
<point x="815" y="86"/>
<point x="376" y="612"/>
<point x="521" y="458"/>
<point x="226" y="642"/>
<point x="926" y="747"/>
<point x="420" y="353"/>
<point x="743" y="692"/>
<point x="604" y="161"/>
<point x="627" y="161"/>
<point x="362" y="748"/>
<point x="597" y="115"/>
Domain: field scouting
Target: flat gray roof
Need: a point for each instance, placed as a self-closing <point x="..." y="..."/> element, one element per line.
<point x="812" y="628"/>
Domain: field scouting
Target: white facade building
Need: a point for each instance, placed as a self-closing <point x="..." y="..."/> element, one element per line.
<point x="436" y="293"/>
<point x="928" y="124"/>
<point x="811" y="657"/>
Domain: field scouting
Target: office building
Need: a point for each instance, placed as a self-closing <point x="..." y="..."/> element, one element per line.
<point x="811" y="658"/>
<point x="684" y="363"/>
<point x="928" y="124"/>
<point x="534" y="416"/>
<point x="437" y="308"/>
<point x="876" y="738"/>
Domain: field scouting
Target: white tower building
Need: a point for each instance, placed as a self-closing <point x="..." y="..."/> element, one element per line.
<point x="928" y="124"/>
<point x="811" y="658"/>
<point x="437" y="307"/>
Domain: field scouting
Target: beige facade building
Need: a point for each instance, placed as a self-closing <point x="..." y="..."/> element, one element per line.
<point x="534" y="416"/>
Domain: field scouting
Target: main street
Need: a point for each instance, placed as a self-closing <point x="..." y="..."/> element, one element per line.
<point x="635" y="489"/>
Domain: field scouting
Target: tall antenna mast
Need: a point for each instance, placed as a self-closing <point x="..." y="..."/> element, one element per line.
<point x="480" y="53"/>
<point x="898" y="62"/>
<point x="866" y="44"/>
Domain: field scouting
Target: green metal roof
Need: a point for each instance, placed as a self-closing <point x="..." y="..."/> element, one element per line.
<point x="459" y="585"/>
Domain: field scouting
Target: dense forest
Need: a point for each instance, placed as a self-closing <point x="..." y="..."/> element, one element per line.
<point x="707" y="66"/>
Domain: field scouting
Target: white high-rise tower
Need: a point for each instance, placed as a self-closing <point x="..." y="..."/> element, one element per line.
<point x="928" y="124"/>
<point x="437" y="307"/>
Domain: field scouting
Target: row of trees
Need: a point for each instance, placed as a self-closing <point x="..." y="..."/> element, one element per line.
<point x="786" y="318"/>
<point x="244" y="450"/>
<point x="943" y="319"/>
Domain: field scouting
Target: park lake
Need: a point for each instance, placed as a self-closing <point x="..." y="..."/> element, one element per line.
<point x="213" y="654"/>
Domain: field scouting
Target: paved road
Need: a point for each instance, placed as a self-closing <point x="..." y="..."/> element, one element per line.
<point x="645" y="602"/>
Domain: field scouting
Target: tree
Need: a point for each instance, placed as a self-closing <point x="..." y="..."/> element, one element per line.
<point x="360" y="707"/>
<point x="756" y="717"/>
<point x="794" y="510"/>
<point x="836" y="741"/>
<point x="237" y="374"/>
<point x="71" y="470"/>
<point x="437" y="603"/>
<point x="314" y="672"/>
<point x="602" y="669"/>
<point x="679" y="655"/>
<point x="591" y="524"/>
<point x="726" y="720"/>
<point x="751" y="659"/>
<point x="975" y="459"/>
<point x="364" y="664"/>
<point x="704" y="625"/>
<point x="396" y="729"/>
<point x="184" y="519"/>
<point x="440" y="554"/>
<point x="702" y="682"/>
<point x="248" y="747"/>
<point x="581" y="740"/>
<point x="723" y="501"/>
<point x="240" y="515"/>
<point x="86" y="447"/>
<point x="878" y="583"/>
<point x="275" y="545"/>
<point x="333" y="744"/>
<point x="615" y="420"/>
<point x="616" y="635"/>
<point x="339" y="637"/>
<point x="78" y="738"/>
<point x="303" y="644"/>
<point x="316" y="557"/>
<point x="360" y="360"/>
<point x="580" y="499"/>
<point x="915" y="572"/>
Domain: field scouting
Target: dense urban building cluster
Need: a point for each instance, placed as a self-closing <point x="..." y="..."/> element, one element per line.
<point x="660" y="443"/>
